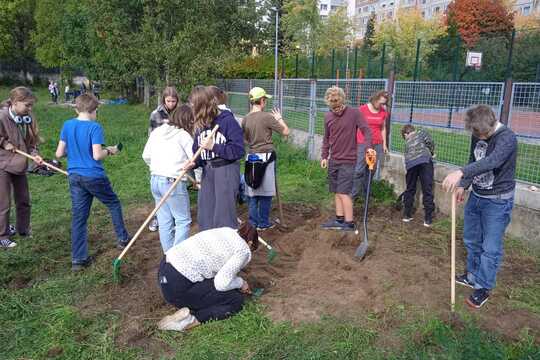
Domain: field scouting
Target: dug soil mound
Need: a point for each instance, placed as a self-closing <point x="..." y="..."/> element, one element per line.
<point x="406" y="271"/>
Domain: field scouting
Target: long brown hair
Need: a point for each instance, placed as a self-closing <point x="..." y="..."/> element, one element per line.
<point x="182" y="118"/>
<point x="22" y="93"/>
<point x="170" y="91"/>
<point x="205" y="106"/>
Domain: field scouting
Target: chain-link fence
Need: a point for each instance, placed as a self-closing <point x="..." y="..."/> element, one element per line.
<point x="439" y="107"/>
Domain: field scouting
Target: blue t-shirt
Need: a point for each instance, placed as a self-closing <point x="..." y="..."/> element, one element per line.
<point x="79" y="136"/>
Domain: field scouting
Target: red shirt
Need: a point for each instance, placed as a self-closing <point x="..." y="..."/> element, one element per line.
<point x="375" y="122"/>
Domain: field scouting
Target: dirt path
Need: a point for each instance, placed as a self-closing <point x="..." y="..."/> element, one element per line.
<point x="405" y="272"/>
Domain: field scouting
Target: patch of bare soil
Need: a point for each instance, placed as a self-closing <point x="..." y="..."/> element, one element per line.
<point x="406" y="271"/>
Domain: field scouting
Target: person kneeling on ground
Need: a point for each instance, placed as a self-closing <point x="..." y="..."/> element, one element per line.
<point x="491" y="171"/>
<point x="339" y="154"/>
<point x="200" y="276"/>
<point x="419" y="151"/>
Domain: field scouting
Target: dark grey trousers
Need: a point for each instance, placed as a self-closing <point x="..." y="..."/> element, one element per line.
<point x="216" y="205"/>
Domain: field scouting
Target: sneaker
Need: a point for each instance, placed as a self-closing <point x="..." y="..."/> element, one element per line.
<point x="121" y="245"/>
<point x="153" y="226"/>
<point x="427" y="224"/>
<point x="407" y="219"/>
<point x="12" y="231"/>
<point x="271" y="226"/>
<point x="464" y="280"/>
<point x="348" y="226"/>
<point x="178" y="321"/>
<point x="332" y="224"/>
<point x="7" y="244"/>
<point x="82" y="265"/>
<point x="478" y="298"/>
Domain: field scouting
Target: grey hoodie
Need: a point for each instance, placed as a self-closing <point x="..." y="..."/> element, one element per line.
<point x="158" y="117"/>
<point x="419" y="148"/>
<point x="492" y="164"/>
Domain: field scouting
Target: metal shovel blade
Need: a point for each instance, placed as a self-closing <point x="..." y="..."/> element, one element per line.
<point x="361" y="250"/>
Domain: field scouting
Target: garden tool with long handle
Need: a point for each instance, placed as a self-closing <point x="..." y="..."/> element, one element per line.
<point x="272" y="254"/>
<point x="117" y="262"/>
<point x="50" y="166"/>
<point x="371" y="160"/>
<point x="453" y="256"/>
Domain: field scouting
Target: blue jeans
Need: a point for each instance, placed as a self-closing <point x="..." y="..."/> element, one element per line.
<point x="259" y="210"/>
<point x="484" y="225"/>
<point x="83" y="190"/>
<point x="174" y="216"/>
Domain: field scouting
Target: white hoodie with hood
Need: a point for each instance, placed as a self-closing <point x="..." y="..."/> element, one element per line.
<point x="167" y="150"/>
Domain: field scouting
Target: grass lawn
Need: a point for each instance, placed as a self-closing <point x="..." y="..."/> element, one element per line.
<point x="40" y="299"/>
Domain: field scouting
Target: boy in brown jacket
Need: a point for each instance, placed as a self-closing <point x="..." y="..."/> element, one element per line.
<point x="18" y="131"/>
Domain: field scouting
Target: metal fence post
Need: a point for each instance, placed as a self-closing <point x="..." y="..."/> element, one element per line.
<point x="281" y="81"/>
<point x="250" y="86"/>
<point x="333" y="63"/>
<point x="390" y="88"/>
<point x="505" y="111"/>
<point x="312" y="118"/>
<point x="510" y="53"/>
<point x="415" y="77"/>
<point x="382" y="60"/>
<point x="454" y="79"/>
<point x="355" y="61"/>
<point x="296" y="67"/>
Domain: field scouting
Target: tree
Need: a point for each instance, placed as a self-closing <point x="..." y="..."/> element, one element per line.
<point x="336" y="31"/>
<point x="302" y="23"/>
<point x="473" y="19"/>
<point x="368" y="42"/>
<point x="16" y="25"/>
<point x="401" y="37"/>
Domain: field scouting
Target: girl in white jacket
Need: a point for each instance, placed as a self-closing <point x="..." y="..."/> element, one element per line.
<point x="168" y="149"/>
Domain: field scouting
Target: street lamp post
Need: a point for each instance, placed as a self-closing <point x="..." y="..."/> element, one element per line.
<point x="276" y="54"/>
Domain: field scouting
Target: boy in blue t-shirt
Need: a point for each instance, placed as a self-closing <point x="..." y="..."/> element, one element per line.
<point x="80" y="140"/>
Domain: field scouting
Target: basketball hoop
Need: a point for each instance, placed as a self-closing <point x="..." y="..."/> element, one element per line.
<point x="474" y="60"/>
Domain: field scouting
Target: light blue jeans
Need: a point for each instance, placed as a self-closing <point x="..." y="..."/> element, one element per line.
<point x="484" y="224"/>
<point x="174" y="216"/>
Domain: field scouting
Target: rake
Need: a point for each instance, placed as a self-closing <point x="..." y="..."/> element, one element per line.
<point x="50" y="166"/>
<point x="272" y="254"/>
<point x="118" y="261"/>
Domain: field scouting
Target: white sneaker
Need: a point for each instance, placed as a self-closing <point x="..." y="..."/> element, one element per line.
<point x="7" y="244"/>
<point x="406" y="219"/>
<point x="153" y="226"/>
<point x="177" y="321"/>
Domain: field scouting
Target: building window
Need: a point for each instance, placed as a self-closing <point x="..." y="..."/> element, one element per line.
<point x="526" y="10"/>
<point x="437" y="9"/>
<point x="423" y="14"/>
<point x="391" y="4"/>
<point x="324" y="7"/>
<point x="383" y="6"/>
<point x="333" y="7"/>
<point x="390" y="14"/>
<point x="424" y="1"/>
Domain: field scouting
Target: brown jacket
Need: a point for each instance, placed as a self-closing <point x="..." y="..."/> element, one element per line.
<point x="10" y="133"/>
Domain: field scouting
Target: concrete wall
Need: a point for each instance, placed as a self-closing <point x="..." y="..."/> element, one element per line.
<point x="525" y="216"/>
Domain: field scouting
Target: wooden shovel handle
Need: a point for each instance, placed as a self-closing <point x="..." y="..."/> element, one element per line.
<point x="453" y="256"/>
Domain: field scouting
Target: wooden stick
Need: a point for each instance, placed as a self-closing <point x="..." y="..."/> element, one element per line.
<point x="453" y="256"/>
<point x="163" y="199"/>
<point x="44" y="162"/>
<point x="281" y="218"/>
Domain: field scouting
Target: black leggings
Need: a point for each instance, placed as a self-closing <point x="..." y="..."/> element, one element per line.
<point x="202" y="298"/>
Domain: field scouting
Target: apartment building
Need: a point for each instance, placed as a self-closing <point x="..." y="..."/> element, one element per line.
<point x="327" y="6"/>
